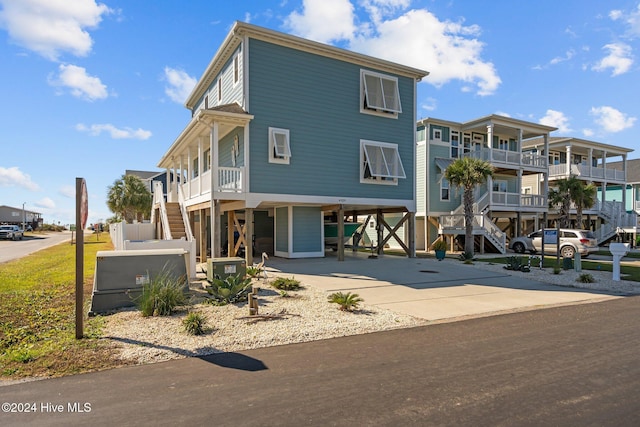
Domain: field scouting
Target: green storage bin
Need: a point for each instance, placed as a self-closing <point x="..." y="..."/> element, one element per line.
<point x="222" y="268"/>
<point x="567" y="263"/>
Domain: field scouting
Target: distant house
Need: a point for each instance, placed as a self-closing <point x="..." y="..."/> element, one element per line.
<point x="16" y="216"/>
<point x="504" y="206"/>
<point x="288" y="135"/>
<point x="149" y="177"/>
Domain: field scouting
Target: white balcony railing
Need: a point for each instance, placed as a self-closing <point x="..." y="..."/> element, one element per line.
<point x="230" y="179"/>
<point x="507" y="157"/>
<point x="586" y="171"/>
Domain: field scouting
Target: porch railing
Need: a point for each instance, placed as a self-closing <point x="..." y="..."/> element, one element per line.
<point x="586" y="171"/>
<point x="482" y="224"/>
<point x="494" y="155"/>
<point x="230" y="179"/>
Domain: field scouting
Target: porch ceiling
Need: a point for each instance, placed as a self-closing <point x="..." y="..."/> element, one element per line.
<point x="200" y="126"/>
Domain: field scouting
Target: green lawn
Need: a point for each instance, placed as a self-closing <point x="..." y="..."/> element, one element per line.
<point x="37" y="314"/>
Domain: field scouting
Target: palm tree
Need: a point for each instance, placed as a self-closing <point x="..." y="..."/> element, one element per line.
<point x="583" y="197"/>
<point x="560" y="198"/>
<point x="467" y="172"/>
<point x="129" y="198"/>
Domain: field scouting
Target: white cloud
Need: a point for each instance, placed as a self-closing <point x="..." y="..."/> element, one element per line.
<point x="632" y="20"/>
<point x="68" y="191"/>
<point x="51" y="27"/>
<point x="502" y="113"/>
<point x="46" y="203"/>
<point x="448" y="50"/>
<point x="79" y="83"/>
<point x="14" y="177"/>
<point x="619" y="59"/>
<point x="610" y="119"/>
<point x="588" y="132"/>
<point x="323" y="20"/>
<point x="114" y="132"/>
<point x="180" y="84"/>
<point x="556" y="119"/>
<point x="429" y="104"/>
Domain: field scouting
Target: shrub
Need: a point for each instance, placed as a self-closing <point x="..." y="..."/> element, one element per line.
<point x="161" y="295"/>
<point x="557" y="269"/>
<point x="347" y="302"/>
<point x="439" y="245"/>
<point x="586" y="278"/>
<point x="286" y="284"/>
<point x="253" y="271"/>
<point x="230" y="290"/>
<point x="194" y="323"/>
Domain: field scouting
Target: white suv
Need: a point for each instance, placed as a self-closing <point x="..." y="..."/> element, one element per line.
<point x="571" y="241"/>
<point x="12" y="232"/>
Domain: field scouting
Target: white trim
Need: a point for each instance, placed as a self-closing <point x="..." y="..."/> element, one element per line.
<point x="236" y="69"/>
<point x="377" y="105"/>
<point x="279" y="152"/>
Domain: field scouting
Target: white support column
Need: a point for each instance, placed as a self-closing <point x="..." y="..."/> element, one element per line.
<point x="545" y="190"/>
<point x="213" y="203"/>
<point x="624" y="185"/>
<point x="189" y="170"/>
<point x="568" y="161"/>
<point x="200" y="163"/>
<point x="167" y="188"/>
<point x="519" y="147"/>
<point x="490" y="139"/>
<point x="591" y="162"/>
<point x="604" y="176"/>
<point x="180" y="180"/>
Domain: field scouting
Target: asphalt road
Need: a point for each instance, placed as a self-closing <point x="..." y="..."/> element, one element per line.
<point x="32" y="242"/>
<point x="566" y="366"/>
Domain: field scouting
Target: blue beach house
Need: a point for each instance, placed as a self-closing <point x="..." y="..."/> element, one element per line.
<point x="287" y="135"/>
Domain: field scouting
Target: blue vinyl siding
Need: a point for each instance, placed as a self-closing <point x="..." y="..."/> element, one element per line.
<point x="230" y="93"/>
<point x="317" y="99"/>
<point x="421" y="181"/>
<point x="224" y="148"/>
<point x="435" y="204"/>
<point x="282" y="229"/>
<point x="444" y="129"/>
<point x="307" y="229"/>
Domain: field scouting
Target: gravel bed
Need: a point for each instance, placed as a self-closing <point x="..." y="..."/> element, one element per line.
<point x="304" y="315"/>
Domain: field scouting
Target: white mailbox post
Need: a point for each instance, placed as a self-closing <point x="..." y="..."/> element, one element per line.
<point x="618" y="250"/>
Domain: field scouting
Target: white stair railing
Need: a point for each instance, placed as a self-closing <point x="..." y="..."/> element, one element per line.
<point x="158" y="200"/>
<point x="185" y="215"/>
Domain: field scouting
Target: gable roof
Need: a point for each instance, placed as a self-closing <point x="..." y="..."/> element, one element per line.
<point x="240" y="30"/>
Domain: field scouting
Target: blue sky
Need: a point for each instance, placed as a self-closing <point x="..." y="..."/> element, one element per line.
<point x="92" y="88"/>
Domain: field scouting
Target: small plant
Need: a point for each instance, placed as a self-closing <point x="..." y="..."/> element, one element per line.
<point x="466" y="256"/>
<point x="253" y="271"/>
<point x="439" y="245"/>
<point x="161" y="295"/>
<point x="586" y="278"/>
<point x="284" y="294"/>
<point x="347" y="302"/>
<point x="286" y="284"/>
<point x="557" y="269"/>
<point x="230" y="290"/>
<point x="194" y="323"/>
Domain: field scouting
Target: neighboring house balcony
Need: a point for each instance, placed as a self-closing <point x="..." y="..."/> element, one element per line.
<point x="511" y="159"/>
<point x="503" y="201"/>
<point x="587" y="172"/>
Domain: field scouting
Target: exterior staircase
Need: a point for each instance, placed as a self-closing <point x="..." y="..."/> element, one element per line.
<point x="176" y="223"/>
<point x="482" y="224"/>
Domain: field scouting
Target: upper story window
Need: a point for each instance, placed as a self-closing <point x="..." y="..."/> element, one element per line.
<point x="379" y="94"/>
<point x="455" y="144"/>
<point x="206" y="160"/>
<point x="236" y="69"/>
<point x="380" y="163"/>
<point x="195" y="168"/>
<point x="444" y="189"/>
<point x="279" y="148"/>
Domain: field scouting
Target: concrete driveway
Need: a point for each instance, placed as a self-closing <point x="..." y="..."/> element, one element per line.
<point x="427" y="288"/>
<point x="32" y="242"/>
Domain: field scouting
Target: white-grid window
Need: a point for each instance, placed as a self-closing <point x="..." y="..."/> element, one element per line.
<point x="444" y="189"/>
<point x="279" y="147"/>
<point x="500" y="185"/>
<point x="379" y="94"/>
<point x="455" y="144"/>
<point x="380" y="163"/>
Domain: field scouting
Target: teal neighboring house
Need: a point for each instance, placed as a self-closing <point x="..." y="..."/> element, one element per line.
<point x="286" y="135"/>
<point x="509" y="204"/>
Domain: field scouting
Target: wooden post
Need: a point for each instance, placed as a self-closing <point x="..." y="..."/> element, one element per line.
<point x="341" y="233"/>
